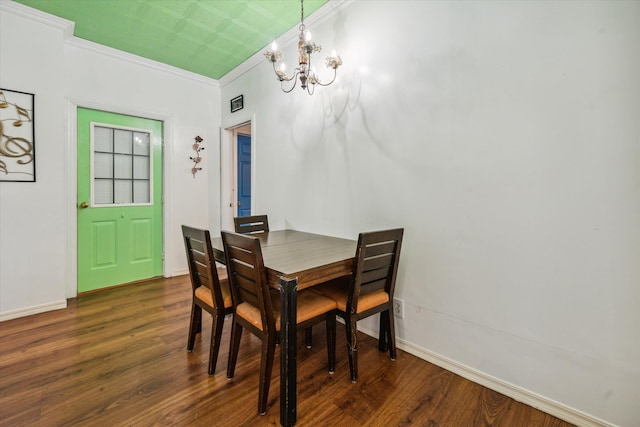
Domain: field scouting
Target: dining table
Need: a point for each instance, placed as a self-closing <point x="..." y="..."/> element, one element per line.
<point x="296" y="260"/>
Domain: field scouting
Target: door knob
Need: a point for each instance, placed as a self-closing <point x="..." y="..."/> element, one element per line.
<point x="84" y="205"/>
<point x="239" y="203"/>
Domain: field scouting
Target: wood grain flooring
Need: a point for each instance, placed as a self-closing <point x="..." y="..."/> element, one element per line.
<point x="118" y="358"/>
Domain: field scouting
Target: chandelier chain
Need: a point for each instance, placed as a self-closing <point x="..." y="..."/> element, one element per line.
<point x="302" y="26"/>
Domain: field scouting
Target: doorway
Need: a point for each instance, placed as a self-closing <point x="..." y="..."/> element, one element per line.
<point x="237" y="173"/>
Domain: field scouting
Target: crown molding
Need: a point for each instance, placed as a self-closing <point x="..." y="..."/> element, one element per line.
<point x="317" y="17"/>
<point x="23" y="11"/>
<point x="139" y="60"/>
<point x="67" y="28"/>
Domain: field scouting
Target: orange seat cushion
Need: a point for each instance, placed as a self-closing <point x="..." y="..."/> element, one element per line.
<point x="203" y="293"/>
<point x="310" y="304"/>
<point x="338" y="290"/>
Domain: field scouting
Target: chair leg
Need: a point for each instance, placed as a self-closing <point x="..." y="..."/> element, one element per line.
<point x="331" y="342"/>
<point x="266" y="367"/>
<point x="383" y="334"/>
<point x="195" y="325"/>
<point x="308" y="334"/>
<point x="216" y="336"/>
<point x="391" y="334"/>
<point x="234" y="347"/>
<point x="352" y="343"/>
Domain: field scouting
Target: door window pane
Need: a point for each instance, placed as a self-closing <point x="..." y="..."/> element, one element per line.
<point x="103" y="165"/>
<point x="140" y="168"/>
<point x="141" y="191"/>
<point x="103" y="139"/>
<point x="141" y="143"/>
<point x="103" y="191"/>
<point x="122" y="141"/>
<point x="123" y="193"/>
<point x="121" y="166"/>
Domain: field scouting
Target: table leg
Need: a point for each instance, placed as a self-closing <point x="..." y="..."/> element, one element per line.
<point x="288" y="354"/>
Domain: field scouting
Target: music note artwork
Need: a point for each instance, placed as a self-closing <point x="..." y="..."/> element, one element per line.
<point x="17" y="142"/>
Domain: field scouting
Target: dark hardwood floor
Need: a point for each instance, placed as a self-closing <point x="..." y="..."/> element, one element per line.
<point x="119" y="358"/>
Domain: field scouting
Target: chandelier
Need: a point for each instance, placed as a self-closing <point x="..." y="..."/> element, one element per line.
<point x="307" y="75"/>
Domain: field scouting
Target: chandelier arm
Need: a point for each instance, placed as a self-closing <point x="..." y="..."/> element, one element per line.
<point x="335" y="73"/>
<point x="282" y="76"/>
<point x="293" y="86"/>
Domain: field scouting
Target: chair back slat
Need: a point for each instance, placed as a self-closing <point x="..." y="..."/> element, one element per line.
<point x="201" y="262"/>
<point x="197" y="245"/>
<point x="378" y="262"/>
<point x="251" y="224"/>
<point x="242" y="268"/>
<point x="377" y="249"/>
<point x="202" y="272"/>
<point x="242" y="256"/>
<point x="198" y="254"/>
<point x="374" y="275"/>
<point x="374" y="286"/>
<point x="247" y="275"/>
<point x="247" y="291"/>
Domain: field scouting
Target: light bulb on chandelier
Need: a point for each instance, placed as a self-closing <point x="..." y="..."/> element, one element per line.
<point x="307" y="75"/>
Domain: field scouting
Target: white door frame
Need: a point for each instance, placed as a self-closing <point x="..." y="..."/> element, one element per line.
<point x="71" y="167"/>
<point x="228" y="171"/>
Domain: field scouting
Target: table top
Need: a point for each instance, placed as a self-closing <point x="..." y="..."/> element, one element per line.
<point x="311" y="258"/>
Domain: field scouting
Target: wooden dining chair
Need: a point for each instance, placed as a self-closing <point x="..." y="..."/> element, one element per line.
<point x="260" y="224"/>
<point x="369" y="290"/>
<point x="251" y="224"/>
<point x="258" y="309"/>
<point x="210" y="289"/>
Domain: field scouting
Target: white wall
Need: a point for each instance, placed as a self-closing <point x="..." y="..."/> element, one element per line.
<point x="37" y="220"/>
<point x="33" y="238"/>
<point x="504" y="136"/>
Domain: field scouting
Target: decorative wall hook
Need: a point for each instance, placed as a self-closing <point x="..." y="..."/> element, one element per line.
<point x="197" y="159"/>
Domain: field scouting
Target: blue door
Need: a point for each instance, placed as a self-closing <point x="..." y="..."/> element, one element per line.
<point x="244" y="175"/>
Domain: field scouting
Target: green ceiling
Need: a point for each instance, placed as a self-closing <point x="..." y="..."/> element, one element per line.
<point x="207" y="37"/>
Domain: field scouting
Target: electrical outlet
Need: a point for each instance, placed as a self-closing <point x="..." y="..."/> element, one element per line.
<point x="398" y="308"/>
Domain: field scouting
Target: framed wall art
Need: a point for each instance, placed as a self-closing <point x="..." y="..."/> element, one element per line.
<point x="17" y="140"/>
<point x="237" y="103"/>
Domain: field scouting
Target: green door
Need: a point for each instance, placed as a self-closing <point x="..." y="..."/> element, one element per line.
<point x="119" y="199"/>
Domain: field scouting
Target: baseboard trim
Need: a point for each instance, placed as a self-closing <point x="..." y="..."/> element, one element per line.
<point x="517" y="393"/>
<point x="14" y="314"/>
<point x="180" y="272"/>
